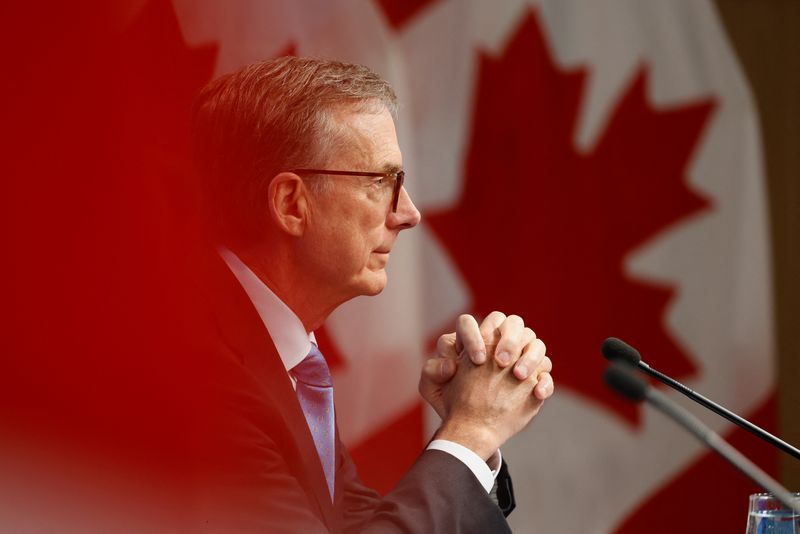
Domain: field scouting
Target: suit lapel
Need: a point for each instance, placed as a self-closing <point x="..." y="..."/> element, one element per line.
<point x="243" y="331"/>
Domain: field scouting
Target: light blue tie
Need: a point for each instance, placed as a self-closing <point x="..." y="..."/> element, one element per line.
<point x="315" y="393"/>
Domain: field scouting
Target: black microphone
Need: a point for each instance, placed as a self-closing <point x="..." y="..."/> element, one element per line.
<point x="621" y="378"/>
<point x="617" y="350"/>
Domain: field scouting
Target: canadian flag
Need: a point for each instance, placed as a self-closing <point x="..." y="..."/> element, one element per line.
<point x="594" y="167"/>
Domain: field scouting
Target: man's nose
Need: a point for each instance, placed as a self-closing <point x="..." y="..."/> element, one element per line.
<point x="407" y="214"/>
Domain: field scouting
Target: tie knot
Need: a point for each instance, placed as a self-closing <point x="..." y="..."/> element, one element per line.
<point x="313" y="370"/>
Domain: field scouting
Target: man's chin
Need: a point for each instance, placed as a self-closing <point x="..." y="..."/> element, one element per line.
<point x="374" y="284"/>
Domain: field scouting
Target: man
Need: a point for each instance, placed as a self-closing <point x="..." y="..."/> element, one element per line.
<point x="304" y="192"/>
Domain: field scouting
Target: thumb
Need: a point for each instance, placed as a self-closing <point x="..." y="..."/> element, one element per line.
<point x="438" y="370"/>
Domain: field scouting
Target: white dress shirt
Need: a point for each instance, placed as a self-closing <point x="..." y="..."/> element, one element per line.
<point x="293" y="344"/>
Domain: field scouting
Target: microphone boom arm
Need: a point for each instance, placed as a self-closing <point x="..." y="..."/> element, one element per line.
<point x="720" y="410"/>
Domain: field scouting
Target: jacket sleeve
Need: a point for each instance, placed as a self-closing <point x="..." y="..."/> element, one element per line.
<point x="438" y="494"/>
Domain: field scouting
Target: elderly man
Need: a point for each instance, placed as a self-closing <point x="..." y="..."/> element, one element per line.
<point x="304" y="195"/>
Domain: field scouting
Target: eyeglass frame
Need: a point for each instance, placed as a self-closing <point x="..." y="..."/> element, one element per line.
<point x="398" y="176"/>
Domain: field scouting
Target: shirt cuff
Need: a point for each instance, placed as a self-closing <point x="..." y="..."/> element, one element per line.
<point x="474" y="462"/>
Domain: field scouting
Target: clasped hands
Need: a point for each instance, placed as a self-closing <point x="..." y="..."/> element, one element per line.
<point x="487" y="381"/>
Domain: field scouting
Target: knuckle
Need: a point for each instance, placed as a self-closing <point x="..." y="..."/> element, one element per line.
<point x="493" y="320"/>
<point x="512" y="338"/>
<point x="527" y="342"/>
<point x="533" y="359"/>
<point x="529" y="334"/>
<point x="516" y="320"/>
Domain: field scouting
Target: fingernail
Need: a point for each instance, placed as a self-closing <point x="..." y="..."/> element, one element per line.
<point x="480" y="356"/>
<point x="522" y="371"/>
<point x="504" y="357"/>
<point x="446" y="368"/>
<point x="543" y="387"/>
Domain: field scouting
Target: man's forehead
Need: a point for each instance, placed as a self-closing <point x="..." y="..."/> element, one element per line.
<point x="368" y="137"/>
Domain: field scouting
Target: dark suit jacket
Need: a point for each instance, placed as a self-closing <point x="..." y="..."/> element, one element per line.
<point x="263" y="473"/>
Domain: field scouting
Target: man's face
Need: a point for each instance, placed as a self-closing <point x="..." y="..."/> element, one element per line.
<point x="352" y="227"/>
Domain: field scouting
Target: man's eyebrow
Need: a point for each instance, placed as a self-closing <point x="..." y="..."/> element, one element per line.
<point x="391" y="168"/>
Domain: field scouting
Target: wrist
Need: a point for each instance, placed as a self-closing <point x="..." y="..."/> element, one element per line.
<point x="494" y="460"/>
<point x="479" y="440"/>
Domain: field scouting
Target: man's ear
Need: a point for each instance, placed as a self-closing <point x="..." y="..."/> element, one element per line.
<point x="288" y="203"/>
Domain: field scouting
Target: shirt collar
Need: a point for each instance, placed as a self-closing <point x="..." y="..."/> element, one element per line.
<point x="291" y="340"/>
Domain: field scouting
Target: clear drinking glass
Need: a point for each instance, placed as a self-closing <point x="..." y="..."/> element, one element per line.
<point x="767" y="515"/>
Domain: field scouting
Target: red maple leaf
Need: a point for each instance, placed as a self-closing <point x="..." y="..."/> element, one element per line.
<point x="543" y="230"/>
<point x="400" y="12"/>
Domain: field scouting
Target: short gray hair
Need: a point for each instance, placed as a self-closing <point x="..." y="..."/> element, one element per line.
<point x="266" y="118"/>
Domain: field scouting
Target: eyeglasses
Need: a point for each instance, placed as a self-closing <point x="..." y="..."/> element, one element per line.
<point x="398" y="176"/>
